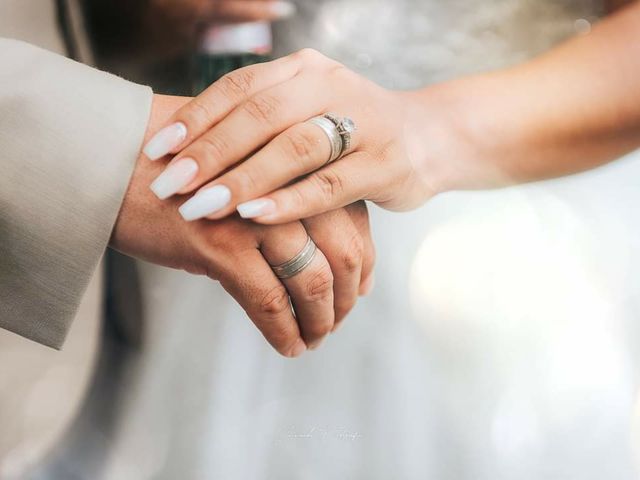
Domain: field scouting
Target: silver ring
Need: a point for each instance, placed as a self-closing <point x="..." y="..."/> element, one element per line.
<point x="330" y="130"/>
<point x="338" y="131"/>
<point x="298" y="263"/>
<point x="346" y="127"/>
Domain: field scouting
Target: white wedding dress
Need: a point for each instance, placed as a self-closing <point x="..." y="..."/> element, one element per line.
<point x="498" y="343"/>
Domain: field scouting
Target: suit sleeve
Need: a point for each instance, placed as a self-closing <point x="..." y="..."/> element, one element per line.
<point x="69" y="138"/>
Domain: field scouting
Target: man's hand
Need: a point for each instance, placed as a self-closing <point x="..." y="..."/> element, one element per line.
<point x="239" y="255"/>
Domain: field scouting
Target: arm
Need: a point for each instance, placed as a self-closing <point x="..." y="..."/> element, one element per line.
<point x="567" y="111"/>
<point x="570" y="110"/>
<point x="238" y="254"/>
<point x="69" y="137"/>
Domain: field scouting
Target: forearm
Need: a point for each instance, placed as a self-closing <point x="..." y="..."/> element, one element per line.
<point x="69" y="136"/>
<point x="567" y="111"/>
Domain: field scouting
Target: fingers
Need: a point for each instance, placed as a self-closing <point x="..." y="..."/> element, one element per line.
<point x="311" y="290"/>
<point x="300" y="150"/>
<point x="212" y="105"/>
<point x="360" y="218"/>
<point x="337" y="236"/>
<point x="356" y="177"/>
<point x="248" y="127"/>
<point x="252" y="10"/>
<point x="233" y="90"/>
<point x="266" y="301"/>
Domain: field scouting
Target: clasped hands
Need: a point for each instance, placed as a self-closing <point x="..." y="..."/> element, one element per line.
<point x="238" y="253"/>
<point x="244" y="145"/>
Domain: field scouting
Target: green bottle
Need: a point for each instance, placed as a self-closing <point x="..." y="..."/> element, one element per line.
<point x="226" y="48"/>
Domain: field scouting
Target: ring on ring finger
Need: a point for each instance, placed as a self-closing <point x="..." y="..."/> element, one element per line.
<point x="297" y="264"/>
<point x="339" y="131"/>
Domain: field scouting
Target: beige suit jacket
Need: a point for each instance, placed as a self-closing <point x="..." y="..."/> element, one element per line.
<point x="69" y="137"/>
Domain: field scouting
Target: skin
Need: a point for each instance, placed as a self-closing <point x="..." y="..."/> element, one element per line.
<point x="569" y="110"/>
<point x="238" y="254"/>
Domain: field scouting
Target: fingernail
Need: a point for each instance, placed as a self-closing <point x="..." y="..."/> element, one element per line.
<point x="298" y="349"/>
<point x="175" y="177"/>
<point x="283" y="9"/>
<point x="206" y="202"/>
<point x="165" y="140"/>
<point x="257" y="208"/>
<point x="367" y="286"/>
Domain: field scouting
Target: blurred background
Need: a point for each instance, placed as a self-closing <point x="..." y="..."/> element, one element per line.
<point x="501" y="340"/>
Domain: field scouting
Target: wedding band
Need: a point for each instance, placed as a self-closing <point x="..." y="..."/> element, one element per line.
<point x="298" y="263"/>
<point x="338" y="131"/>
<point x="330" y="130"/>
<point x="345" y="127"/>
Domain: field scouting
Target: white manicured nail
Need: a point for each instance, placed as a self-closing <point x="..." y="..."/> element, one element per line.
<point x="206" y="202"/>
<point x="165" y="140"/>
<point x="175" y="177"/>
<point x="257" y="208"/>
<point x="283" y="9"/>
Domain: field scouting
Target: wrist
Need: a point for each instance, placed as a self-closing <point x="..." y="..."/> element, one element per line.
<point x="460" y="139"/>
<point x="139" y="203"/>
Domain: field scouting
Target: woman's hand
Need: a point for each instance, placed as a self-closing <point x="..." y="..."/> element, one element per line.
<point x="249" y="134"/>
<point x="572" y="109"/>
<point x="239" y="254"/>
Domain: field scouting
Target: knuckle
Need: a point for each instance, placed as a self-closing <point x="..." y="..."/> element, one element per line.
<point x="300" y="146"/>
<point x="320" y="329"/>
<point x="297" y="194"/>
<point x="310" y="55"/>
<point x="320" y="286"/>
<point x="214" y="148"/>
<point x="329" y="183"/>
<point x="369" y="258"/>
<point x="343" y="308"/>
<point x="199" y="112"/>
<point x="340" y="71"/>
<point x="237" y="84"/>
<point x="245" y="182"/>
<point x="352" y="257"/>
<point x="275" y="302"/>
<point x="276" y="329"/>
<point x="262" y="108"/>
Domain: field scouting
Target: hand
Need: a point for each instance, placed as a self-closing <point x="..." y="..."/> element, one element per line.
<point x="238" y="254"/>
<point x="259" y="114"/>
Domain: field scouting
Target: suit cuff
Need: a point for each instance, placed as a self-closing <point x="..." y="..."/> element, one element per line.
<point x="69" y="139"/>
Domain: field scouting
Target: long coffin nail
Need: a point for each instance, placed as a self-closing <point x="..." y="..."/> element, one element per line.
<point x="175" y="177"/>
<point x="257" y="208"/>
<point x="206" y="202"/>
<point x="165" y="140"/>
